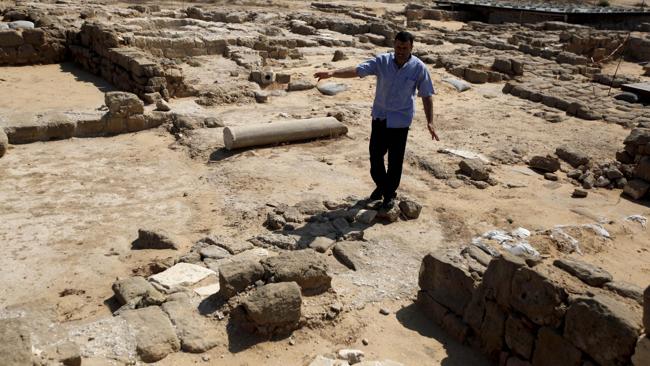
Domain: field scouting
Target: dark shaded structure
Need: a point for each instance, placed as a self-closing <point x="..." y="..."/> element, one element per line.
<point x="507" y="12"/>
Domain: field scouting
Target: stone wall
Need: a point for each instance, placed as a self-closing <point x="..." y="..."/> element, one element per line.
<point x="125" y="114"/>
<point x="537" y="314"/>
<point x="31" y="46"/>
<point x="100" y="50"/>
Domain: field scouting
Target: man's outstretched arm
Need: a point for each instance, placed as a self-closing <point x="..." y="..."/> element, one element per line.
<point x="427" y="102"/>
<point x="348" y="72"/>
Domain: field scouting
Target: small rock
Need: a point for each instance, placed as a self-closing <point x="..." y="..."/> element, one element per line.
<point x="365" y="342"/>
<point x="214" y="252"/>
<point x="572" y="156"/>
<point x="480" y="184"/>
<point x="162" y="105"/>
<point x="213" y="122"/>
<point x="351" y="355"/>
<point x="365" y="216"/>
<point x="391" y="215"/>
<point x="154" y="239"/>
<point x="544" y="163"/>
<point x="475" y="169"/>
<point x="551" y="176"/>
<point x="339" y="56"/>
<point x="410" y="209"/>
<point x="384" y="311"/>
<point x="274" y="221"/>
<point x="321" y="244"/>
<point x="579" y="193"/>
<point x="331" y="88"/>
<point x="137" y="292"/>
<point x="301" y="84"/>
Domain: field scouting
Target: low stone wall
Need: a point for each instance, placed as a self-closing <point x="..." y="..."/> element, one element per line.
<point x="101" y="51"/>
<point x="126" y="114"/>
<point x="31" y="46"/>
<point x="518" y="314"/>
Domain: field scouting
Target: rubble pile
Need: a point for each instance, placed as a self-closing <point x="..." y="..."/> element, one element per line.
<point x="636" y="157"/>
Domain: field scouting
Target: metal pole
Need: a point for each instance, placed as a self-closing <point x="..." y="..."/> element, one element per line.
<point x="620" y="58"/>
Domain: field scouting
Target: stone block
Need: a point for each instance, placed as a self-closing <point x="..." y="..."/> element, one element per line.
<point x="636" y="188"/>
<point x="449" y="283"/>
<point x="123" y="104"/>
<point x="475" y="310"/>
<point x="604" y="328"/>
<point x="586" y="272"/>
<point x="154" y="333"/>
<point x="537" y="297"/>
<point x="520" y="336"/>
<point x="431" y="308"/>
<point x="35" y="37"/>
<point x="552" y="349"/>
<point x="475" y="76"/>
<point x="305" y="267"/>
<point x="236" y="276"/>
<point x="498" y="278"/>
<point x="455" y="327"/>
<point x="272" y="306"/>
<point x="492" y="330"/>
<point x="10" y="38"/>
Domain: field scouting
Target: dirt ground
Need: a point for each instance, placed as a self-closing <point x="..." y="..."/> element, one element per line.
<point x="70" y="209"/>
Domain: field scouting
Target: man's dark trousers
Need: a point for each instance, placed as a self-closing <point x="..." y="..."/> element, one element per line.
<point x="392" y="141"/>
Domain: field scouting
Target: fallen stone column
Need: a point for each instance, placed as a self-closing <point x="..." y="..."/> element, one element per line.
<point x="272" y="133"/>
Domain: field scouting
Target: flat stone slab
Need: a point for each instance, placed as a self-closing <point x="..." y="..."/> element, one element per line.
<point x="196" y="333"/>
<point x="208" y="290"/>
<point x="181" y="274"/>
<point x="15" y="343"/>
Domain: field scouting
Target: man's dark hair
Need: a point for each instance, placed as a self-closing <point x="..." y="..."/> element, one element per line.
<point x="405" y="36"/>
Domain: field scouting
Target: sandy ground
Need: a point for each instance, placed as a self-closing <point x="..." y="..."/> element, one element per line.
<point x="70" y="209"/>
<point x="33" y="91"/>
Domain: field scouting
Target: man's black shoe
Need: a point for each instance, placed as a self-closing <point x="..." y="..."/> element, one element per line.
<point x="388" y="203"/>
<point x="376" y="194"/>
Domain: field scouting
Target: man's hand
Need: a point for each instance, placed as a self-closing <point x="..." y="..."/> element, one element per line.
<point x="434" y="135"/>
<point x="323" y="75"/>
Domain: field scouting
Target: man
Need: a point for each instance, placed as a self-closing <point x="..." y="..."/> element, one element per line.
<point x="398" y="75"/>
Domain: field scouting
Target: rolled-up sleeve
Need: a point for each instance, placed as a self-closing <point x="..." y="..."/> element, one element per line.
<point x="368" y="67"/>
<point x="425" y="85"/>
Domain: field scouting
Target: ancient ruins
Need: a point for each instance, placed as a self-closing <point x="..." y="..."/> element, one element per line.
<point x="178" y="189"/>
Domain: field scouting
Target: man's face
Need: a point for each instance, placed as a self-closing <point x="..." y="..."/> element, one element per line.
<point x="402" y="49"/>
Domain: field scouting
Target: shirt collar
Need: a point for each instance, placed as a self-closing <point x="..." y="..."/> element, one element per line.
<point x="392" y="55"/>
